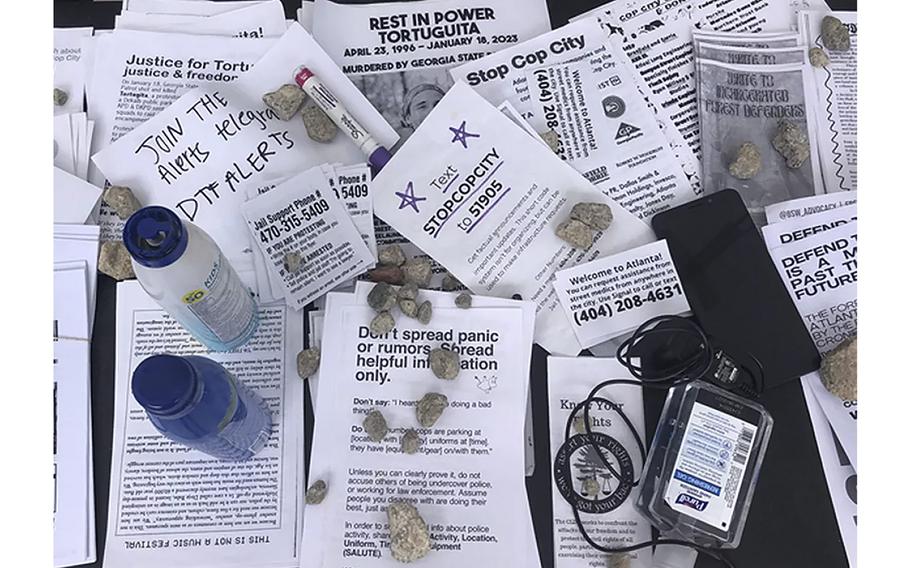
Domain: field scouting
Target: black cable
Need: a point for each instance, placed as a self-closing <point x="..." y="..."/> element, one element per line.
<point x="687" y="369"/>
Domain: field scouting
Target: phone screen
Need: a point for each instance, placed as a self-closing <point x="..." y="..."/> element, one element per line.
<point x="733" y="288"/>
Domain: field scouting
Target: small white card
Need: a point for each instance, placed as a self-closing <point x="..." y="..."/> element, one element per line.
<point x="351" y="185"/>
<point x="610" y="296"/>
<point x="74" y="198"/>
<point x="303" y="215"/>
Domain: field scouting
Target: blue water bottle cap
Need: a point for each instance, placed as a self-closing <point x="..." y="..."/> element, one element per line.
<point x="155" y="237"/>
<point x="165" y="384"/>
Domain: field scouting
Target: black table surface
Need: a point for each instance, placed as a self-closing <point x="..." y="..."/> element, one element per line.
<point x="791" y="523"/>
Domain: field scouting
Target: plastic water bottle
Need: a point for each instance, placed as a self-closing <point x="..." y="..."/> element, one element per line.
<point x="182" y="268"/>
<point x="196" y="402"/>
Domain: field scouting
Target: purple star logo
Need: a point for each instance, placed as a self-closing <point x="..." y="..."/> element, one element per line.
<point x="462" y="134"/>
<point x="408" y="199"/>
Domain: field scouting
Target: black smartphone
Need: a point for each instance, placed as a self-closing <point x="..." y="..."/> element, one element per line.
<point x="733" y="288"/>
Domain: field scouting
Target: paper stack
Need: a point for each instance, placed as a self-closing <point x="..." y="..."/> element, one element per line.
<point x="815" y="254"/>
<point x="74" y="488"/>
<point x="466" y="477"/>
<point x="72" y="51"/>
<point x="173" y="506"/>
<point x="299" y="227"/>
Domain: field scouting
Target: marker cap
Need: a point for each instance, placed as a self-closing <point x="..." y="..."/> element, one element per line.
<point x="379" y="158"/>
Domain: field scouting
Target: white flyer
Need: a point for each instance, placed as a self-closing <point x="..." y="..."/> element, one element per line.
<point x="479" y="195"/>
<point x="796" y="208"/>
<point x="837" y="86"/>
<point x="820" y="272"/>
<point x="605" y="502"/>
<point x="70" y="71"/>
<point x="607" y="132"/>
<point x="398" y="53"/>
<point x="777" y="234"/>
<point x="840" y="475"/>
<point x="460" y="475"/>
<point x="362" y="290"/>
<point x="749" y="103"/>
<point x="200" y="155"/>
<point x="138" y="74"/>
<point x="610" y="296"/>
<point x="173" y="506"/>
<point x="303" y="216"/>
<point x="657" y="37"/>
<point x="386" y="235"/>
<point x="265" y="19"/>
<point x="504" y="75"/>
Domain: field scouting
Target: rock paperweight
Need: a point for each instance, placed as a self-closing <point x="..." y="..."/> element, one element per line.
<point x="286" y="101"/>
<point x="375" y="426"/>
<point x="445" y="364"/>
<point x="430" y="408"/>
<point x="408" y="532"/>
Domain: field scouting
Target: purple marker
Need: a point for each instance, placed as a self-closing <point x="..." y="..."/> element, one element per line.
<point x="377" y="155"/>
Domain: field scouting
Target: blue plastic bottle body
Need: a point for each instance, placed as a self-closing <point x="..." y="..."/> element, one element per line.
<point x="189" y="276"/>
<point x="224" y="419"/>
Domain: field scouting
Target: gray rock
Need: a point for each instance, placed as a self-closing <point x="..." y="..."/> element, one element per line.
<point x="393" y="255"/>
<point x="408" y="307"/>
<point x="444" y="363"/>
<point x="408" y="532"/>
<point x="286" y="101"/>
<point x="598" y="216"/>
<point x="418" y="271"/>
<point x="308" y="362"/>
<point x="382" y="297"/>
<point x="319" y="126"/>
<point x="747" y="163"/>
<point x="430" y="408"/>
<point x="382" y="324"/>
<point x="316" y="493"/>
<point x="619" y="560"/>
<point x="408" y="292"/>
<point x="464" y="301"/>
<point x="115" y="261"/>
<point x="386" y="273"/>
<point x="375" y="426"/>
<point x="818" y="57"/>
<point x="590" y="487"/>
<point x="292" y="262"/>
<point x="410" y="441"/>
<point x="450" y="283"/>
<point x="576" y="233"/>
<point x="121" y="200"/>
<point x="425" y="313"/>
<point x="838" y="370"/>
<point x="792" y="143"/>
<point x="551" y="138"/>
<point x="60" y="97"/>
<point x="835" y="34"/>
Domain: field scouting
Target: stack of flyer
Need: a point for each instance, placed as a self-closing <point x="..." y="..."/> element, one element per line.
<point x="466" y="477"/>
<point x="75" y="261"/>
<point x="813" y="243"/>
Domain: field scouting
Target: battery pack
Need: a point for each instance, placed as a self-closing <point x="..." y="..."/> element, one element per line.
<point x="703" y="465"/>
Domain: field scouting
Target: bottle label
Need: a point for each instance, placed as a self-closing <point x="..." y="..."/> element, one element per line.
<point x="222" y="304"/>
<point x="708" y="473"/>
